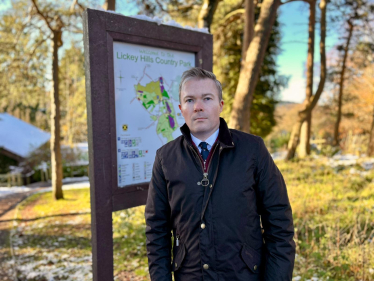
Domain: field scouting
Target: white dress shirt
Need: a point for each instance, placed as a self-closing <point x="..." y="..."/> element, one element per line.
<point x="210" y="141"/>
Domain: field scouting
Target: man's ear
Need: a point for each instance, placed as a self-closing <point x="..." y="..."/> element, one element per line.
<point x="180" y="108"/>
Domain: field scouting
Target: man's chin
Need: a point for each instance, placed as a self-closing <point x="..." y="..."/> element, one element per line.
<point x="200" y="129"/>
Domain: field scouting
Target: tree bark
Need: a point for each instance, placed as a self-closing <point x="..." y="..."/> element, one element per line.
<point x="206" y="14"/>
<point x="308" y="105"/>
<point x="251" y="66"/>
<point x="109" y="5"/>
<point x="249" y="23"/>
<point x="370" y="151"/>
<point x="304" y="148"/>
<point x="341" y="85"/>
<point x="56" y="159"/>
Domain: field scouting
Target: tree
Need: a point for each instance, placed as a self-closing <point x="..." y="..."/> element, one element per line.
<point x="249" y="23"/>
<point x="355" y="14"/>
<point x="73" y="96"/>
<point x="341" y="83"/>
<point x="206" y="13"/>
<point x="309" y="104"/>
<point x="229" y="43"/>
<point x="251" y="66"/>
<point x="23" y="69"/>
<point x="306" y="127"/>
<point x="110" y="5"/>
<point x="55" y="20"/>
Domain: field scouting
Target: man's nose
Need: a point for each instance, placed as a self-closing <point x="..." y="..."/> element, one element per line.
<point x="198" y="106"/>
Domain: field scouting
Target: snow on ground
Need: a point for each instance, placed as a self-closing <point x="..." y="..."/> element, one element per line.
<point x="82" y="183"/>
<point x="14" y="189"/>
<point x="77" y="185"/>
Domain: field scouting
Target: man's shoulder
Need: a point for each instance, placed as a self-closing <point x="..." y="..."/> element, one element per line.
<point x="171" y="146"/>
<point x="245" y="138"/>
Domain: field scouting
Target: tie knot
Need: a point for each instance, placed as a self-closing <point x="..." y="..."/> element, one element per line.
<point x="203" y="145"/>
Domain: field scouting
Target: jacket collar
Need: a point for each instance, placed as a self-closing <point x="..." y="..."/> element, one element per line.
<point x="224" y="136"/>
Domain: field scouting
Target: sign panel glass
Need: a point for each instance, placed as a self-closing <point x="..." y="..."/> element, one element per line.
<point x="146" y="81"/>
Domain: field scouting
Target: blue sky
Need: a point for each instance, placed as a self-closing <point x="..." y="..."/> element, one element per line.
<point x="291" y="62"/>
<point x="294" y="19"/>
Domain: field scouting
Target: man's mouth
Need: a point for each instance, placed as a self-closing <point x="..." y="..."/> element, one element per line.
<point x="200" y="118"/>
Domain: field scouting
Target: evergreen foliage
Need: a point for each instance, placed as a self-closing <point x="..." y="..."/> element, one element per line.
<point x="228" y="35"/>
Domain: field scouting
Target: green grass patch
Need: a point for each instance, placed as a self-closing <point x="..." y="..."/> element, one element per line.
<point x="333" y="210"/>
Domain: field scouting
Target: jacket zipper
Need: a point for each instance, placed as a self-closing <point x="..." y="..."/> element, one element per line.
<point x="211" y="189"/>
<point x="203" y="163"/>
<point x="177" y="241"/>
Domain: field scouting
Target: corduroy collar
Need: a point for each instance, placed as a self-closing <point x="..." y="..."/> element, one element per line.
<point x="224" y="136"/>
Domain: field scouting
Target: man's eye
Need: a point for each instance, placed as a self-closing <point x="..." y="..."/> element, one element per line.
<point x="208" y="98"/>
<point x="189" y="100"/>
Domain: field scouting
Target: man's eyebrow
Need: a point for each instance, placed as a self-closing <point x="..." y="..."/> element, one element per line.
<point x="204" y="95"/>
<point x="188" y="97"/>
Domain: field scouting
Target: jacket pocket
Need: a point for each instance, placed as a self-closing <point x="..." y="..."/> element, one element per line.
<point x="251" y="258"/>
<point x="178" y="255"/>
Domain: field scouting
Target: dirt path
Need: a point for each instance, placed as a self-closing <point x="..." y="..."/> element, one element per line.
<point x="7" y="211"/>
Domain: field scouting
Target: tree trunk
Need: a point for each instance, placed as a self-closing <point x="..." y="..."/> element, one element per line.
<point x="251" y="66"/>
<point x="304" y="137"/>
<point x="206" y="14"/>
<point x="249" y="22"/>
<point x="308" y="105"/>
<point x="341" y="85"/>
<point x="370" y="151"/>
<point x="109" y="5"/>
<point x="304" y="148"/>
<point x="56" y="160"/>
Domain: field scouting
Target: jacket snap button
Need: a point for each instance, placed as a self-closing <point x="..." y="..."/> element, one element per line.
<point x="205" y="266"/>
<point x="176" y="265"/>
<point x="202" y="225"/>
<point x="255" y="267"/>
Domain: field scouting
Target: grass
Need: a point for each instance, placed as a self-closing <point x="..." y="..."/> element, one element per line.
<point x="333" y="211"/>
<point x="334" y="220"/>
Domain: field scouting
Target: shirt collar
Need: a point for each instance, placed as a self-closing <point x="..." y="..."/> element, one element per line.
<point x="210" y="141"/>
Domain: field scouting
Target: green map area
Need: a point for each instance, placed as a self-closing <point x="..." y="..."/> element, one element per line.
<point x="154" y="94"/>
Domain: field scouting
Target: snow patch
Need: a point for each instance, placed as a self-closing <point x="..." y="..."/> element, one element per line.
<point x="19" y="137"/>
<point x="4" y="191"/>
<point x="158" y="21"/>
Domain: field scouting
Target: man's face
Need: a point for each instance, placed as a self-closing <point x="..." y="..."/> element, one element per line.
<point x="201" y="107"/>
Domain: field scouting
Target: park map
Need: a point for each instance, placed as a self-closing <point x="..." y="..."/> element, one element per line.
<point x="146" y="104"/>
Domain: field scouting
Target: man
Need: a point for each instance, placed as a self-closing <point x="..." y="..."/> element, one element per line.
<point x="209" y="188"/>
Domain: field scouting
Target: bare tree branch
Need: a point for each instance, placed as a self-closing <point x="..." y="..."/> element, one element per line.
<point x="42" y="15"/>
<point x="289" y="1"/>
<point x="37" y="46"/>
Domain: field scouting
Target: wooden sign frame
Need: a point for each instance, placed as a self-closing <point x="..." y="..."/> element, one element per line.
<point x="101" y="29"/>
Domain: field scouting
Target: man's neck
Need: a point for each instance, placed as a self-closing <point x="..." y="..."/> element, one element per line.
<point x="204" y="137"/>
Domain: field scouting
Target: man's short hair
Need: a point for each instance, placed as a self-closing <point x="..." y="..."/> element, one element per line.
<point x="199" y="73"/>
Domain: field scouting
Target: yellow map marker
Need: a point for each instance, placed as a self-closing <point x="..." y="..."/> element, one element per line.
<point x="124" y="127"/>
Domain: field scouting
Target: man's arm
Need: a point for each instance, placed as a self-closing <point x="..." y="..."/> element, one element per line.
<point x="276" y="217"/>
<point x="157" y="216"/>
